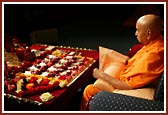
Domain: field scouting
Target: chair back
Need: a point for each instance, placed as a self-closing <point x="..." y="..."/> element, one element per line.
<point x="159" y="94"/>
<point x="132" y="51"/>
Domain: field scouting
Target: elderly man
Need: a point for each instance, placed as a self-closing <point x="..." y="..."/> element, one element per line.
<point x="144" y="67"/>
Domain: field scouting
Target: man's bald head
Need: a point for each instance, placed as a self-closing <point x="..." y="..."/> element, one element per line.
<point x="152" y="22"/>
<point x="148" y="28"/>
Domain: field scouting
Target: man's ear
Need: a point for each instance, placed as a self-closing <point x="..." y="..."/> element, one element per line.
<point x="148" y="32"/>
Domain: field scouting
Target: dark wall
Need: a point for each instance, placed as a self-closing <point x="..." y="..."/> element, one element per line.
<point x="78" y="25"/>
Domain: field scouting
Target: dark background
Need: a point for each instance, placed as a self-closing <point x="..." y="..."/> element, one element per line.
<point x="79" y="25"/>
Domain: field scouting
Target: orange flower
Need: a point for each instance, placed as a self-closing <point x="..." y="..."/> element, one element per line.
<point x="30" y="85"/>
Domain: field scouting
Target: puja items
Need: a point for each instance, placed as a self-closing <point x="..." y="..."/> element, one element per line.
<point x="52" y="68"/>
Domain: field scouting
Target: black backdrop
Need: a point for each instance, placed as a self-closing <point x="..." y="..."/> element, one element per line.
<point x="78" y="25"/>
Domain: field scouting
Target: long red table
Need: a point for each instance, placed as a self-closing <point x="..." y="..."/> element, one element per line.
<point x="62" y="95"/>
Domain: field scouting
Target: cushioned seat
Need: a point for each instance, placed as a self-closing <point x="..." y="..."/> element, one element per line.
<point x="107" y="101"/>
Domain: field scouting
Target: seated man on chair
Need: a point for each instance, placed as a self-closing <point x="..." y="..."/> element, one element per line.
<point x="143" y="68"/>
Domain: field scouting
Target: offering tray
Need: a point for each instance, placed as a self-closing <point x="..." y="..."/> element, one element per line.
<point x="62" y="94"/>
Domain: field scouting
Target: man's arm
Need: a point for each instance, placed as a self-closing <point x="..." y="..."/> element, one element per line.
<point x="111" y="80"/>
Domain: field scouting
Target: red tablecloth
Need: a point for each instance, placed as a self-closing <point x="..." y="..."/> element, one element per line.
<point x="63" y="95"/>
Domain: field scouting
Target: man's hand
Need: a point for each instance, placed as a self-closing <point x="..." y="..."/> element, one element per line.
<point x="96" y="73"/>
<point x="100" y="74"/>
<point x="111" y="80"/>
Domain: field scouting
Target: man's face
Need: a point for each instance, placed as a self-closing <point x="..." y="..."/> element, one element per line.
<point x="141" y="33"/>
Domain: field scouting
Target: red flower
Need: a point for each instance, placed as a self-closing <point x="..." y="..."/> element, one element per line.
<point x="44" y="82"/>
<point x="32" y="80"/>
<point x="62" y="77"/>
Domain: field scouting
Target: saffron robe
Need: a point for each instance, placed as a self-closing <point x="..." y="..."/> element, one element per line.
<point x="142" y="69"/>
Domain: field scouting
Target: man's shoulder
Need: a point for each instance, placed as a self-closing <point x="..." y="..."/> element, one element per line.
<point x="158" y="45"/>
